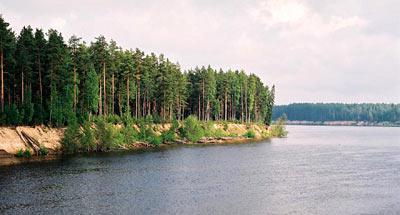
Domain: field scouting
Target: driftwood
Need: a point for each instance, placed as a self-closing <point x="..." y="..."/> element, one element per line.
<point x="29" y="141"/>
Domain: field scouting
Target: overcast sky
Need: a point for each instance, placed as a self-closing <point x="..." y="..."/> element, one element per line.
<point x="312" y="50"/>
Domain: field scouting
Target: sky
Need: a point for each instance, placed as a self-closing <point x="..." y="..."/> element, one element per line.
<point x="311" y="50"/>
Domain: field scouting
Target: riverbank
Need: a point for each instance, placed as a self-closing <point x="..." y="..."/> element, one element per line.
<point x="15" y="141"/>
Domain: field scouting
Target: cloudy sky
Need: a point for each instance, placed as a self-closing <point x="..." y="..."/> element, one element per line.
<point x="312" y="50"/>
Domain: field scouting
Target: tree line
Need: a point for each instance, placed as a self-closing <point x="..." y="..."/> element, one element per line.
<point x="339" y="112"/>
<point x="46" y="80"/>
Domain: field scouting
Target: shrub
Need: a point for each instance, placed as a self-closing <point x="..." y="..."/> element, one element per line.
<point x="129" y="134"/>
<point x="225" y="125"/>
<point x="87" y="139"/>
<point x="43" y="151"/>
<point x="20" y="153"/>
<point x="155" y="140"/>
<point x="192" y="129"/>
<point x="279" y="128"/>
<point x="168" y="136"/>
<point x="126" y="119"/>
<point x="105" y="135"/>
<point x="71" y="139"/>
<point x="27" y="153"/>
<point x="208" y="128"/>
<point x="250" y="134"/>
<point x="219" y="133"/>
<point x="113" y="119"/>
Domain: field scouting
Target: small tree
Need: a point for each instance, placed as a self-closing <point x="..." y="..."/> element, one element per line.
<point x="192" y="129"/>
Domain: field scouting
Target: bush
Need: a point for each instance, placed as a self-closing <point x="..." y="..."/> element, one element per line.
<point x="129" y="134"/>
<point x="43" y="151"/>
<point x="219" y="133"/>
<point x="250" y="134"/>
<point x="192" y="129"/>
<point x="126" y="119"/>
<point x="113" y="119"/>
<point x="71" y="139"/>
<point x="27" y="153"/>
<point x="87" y="139"/>
<point x="168" y="136"/>
<point x="225" y="125"/>
<point x="104" y="135"/>
<point x="155" y="140"/>
<point x="279" y="128"/>
<point x="20" y="153"/>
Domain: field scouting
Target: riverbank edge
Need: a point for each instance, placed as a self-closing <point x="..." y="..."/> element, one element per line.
<point x="7" y="159"/>
<point x="32" y="138"/>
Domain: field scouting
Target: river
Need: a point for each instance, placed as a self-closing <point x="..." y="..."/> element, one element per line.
<point x="316" y="170"/>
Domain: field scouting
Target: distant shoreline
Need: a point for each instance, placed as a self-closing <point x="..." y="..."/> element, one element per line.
<point x="343" y="123"/>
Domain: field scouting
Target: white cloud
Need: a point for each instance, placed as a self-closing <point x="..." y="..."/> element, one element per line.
<point x="278" y="12"/>
<point x="293" y="16"/>
<point x="337" y="23"/>
<point x="57" y="23"/>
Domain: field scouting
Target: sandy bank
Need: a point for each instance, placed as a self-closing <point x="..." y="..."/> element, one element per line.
<point x="13" y="139"/>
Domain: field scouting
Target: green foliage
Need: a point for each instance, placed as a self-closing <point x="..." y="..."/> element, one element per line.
<point x="104" y="135"/>
<point x="250" y="134"/>
<point x="192" y="129"/>
<point x="218" y="133"/>
<point x="50" y="81"/>
<point x="155" y="140"/>
<point x="27" y="153"/>
<point x="88" y="138"/>
<point x="72" y="138"/>
<point x="20" y="153"/>
<point x="225" y="125"/>
<point x="130" y="134"/>
<point x="43" y="151"/>
<point x="168" y="136"/>
<point x="279" y="129"/>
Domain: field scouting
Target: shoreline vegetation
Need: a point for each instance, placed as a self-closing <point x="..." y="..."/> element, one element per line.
<point x="21" y="144"/>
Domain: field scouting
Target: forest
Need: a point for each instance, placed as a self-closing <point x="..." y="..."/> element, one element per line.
<point x="47" y="80"/>
<point x="339" y="112"/>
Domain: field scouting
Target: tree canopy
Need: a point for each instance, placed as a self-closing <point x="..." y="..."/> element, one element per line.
<point x="46" y="80"/>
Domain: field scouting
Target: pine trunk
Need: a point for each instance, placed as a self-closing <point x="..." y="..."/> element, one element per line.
<point x="199" y="111"/>
<point x="2" y="80"/>
<point x="138" y="100"/>
<point x="104" y="88"/>
<point x="202" y="103"/>
<point x="226" y="105"/>
<point x="112" y="95"/>
<point x="127" y="94"/>
<point x="100" y="98"/>
<point x="75" y="89"/>
<point x="22" y="87"/>
<point x="40" y="84"/>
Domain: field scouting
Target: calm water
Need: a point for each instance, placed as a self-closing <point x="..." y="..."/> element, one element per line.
<point x="316" y="170"/>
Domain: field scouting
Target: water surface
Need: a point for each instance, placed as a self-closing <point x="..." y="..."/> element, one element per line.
<point x="316" y="170"/>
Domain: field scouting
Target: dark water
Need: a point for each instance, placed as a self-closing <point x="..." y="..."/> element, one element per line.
<point x="316" y="170"/>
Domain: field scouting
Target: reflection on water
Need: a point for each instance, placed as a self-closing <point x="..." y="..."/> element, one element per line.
<point x="319" y="170"/>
